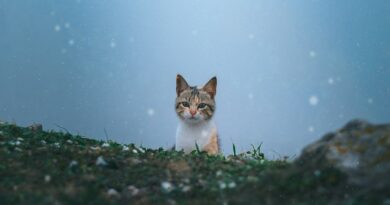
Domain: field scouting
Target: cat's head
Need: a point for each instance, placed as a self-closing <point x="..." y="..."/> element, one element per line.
<point x="195" y="104"/>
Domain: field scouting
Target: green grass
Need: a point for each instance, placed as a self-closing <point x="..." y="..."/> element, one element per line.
<point x="59" y="168"/>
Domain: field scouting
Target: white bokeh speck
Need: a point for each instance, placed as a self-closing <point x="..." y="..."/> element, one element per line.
<point x="313" y="100"/>
<point x="150" y="112"/>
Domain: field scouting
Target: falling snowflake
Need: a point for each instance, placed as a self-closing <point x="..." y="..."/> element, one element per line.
<point x="194" y="32"/>
<point x="312" y="54"/>
<point x="370" y="100"/>
<point x="310" y="129"/>
<point x="57" y="28"/>
<point x="251" y="36"/>
<point x="112" y="44"/>
<point x="150" y="112"/>
<point x="71" y="42"/>
<point x="67" y="25"/>
<point x="251" y="96"/>
<point x="330" y="81"/>
<point x="313" y="100"/>
<point x="47" y="178"/>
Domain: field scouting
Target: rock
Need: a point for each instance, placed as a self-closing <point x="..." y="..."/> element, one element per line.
<point x="36" y="127"/>
<point x="100" y="161"/>
<point x="359" y="149"/>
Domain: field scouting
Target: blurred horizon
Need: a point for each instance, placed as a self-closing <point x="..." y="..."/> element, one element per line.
<point x="288" y="72"/>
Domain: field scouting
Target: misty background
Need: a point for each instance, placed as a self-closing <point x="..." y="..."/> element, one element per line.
<point x="288" y="71"/>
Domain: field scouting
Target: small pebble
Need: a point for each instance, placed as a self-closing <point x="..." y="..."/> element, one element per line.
<point x="222" y="185"/>
<point x="95" y="148"/>
<point x="186" y="188"/>
<point x="317" y="173"/>
<point x="112" y="192"/>
<point x="18" y="149"/>
<point x="133" y="190"/>
<point x="100" y="161"/>
<point x="73" y="163"/>
<point x="167" y="186"/>
<point x="262" y="161"/>
<point x="232" y="185"/>
<point x="36" y="127"/>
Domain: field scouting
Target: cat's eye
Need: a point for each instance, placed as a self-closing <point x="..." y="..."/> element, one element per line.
<point x="202" y="105"/>
<point x="185" y="104"/>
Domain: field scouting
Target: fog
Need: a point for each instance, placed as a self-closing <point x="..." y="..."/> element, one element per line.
<point x="288" y="71"/>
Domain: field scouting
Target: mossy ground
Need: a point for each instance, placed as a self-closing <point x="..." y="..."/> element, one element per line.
<point x="38" y="167"/>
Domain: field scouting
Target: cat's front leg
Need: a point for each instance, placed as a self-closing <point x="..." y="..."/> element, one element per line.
<point x="212" y="147"/>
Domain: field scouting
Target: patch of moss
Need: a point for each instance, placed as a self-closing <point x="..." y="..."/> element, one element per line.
<point x="39" y="167"/>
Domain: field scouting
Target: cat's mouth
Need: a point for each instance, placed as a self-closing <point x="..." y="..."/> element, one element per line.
<point x="193" y="119"/>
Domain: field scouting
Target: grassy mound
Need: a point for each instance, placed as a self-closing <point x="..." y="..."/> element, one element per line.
<point x="38" y="167"/>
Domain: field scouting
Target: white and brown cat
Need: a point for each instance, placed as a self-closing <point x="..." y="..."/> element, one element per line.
<point x="195" y="107"/>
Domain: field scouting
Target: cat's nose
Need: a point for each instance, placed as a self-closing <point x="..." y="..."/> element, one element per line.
<point x="193" y="112"/>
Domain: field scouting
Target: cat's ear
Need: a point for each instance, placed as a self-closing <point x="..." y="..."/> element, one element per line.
<point x="211" y="87"/>
<point x="181" y="84"/>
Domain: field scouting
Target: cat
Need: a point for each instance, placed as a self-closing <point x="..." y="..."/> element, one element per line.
<point x="195" y="108"/>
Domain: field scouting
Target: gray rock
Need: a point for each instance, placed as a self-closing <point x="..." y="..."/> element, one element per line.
<point x="359" y="149"/>
<point x="36" y="127"/>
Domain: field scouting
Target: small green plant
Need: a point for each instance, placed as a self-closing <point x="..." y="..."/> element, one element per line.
<point x="256" y="152"/>
<point x="197" y="148"/>
<point x="234" y="150"/>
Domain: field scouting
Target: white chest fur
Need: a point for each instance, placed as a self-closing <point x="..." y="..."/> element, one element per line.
<point x="187" y="135"/>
